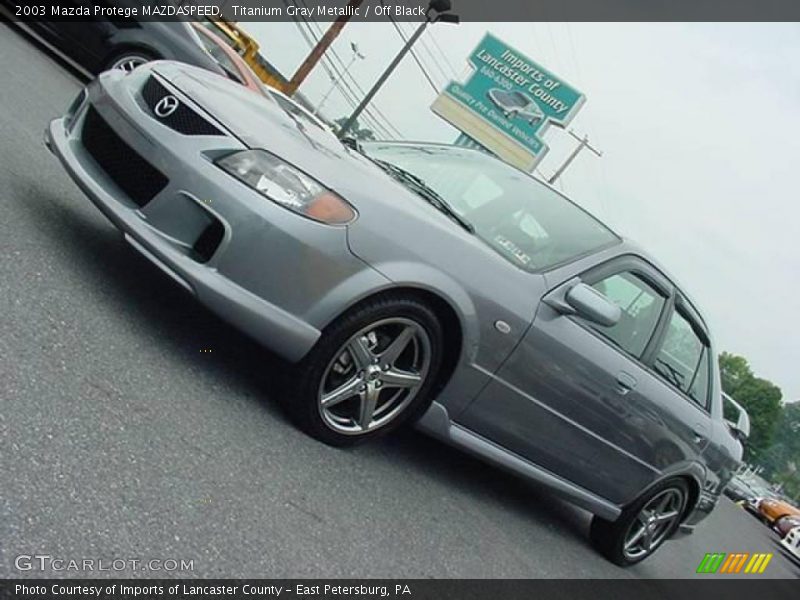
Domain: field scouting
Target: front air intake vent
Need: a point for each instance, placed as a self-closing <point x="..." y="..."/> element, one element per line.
<point x="136" y="177"/>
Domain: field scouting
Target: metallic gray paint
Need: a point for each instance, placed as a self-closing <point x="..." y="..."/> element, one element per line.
<point x="541" y="398"/>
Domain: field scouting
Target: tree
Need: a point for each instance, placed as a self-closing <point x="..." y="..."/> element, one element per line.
<point x="734" y="371"/>
<point x="762" y="401"/>
<point x="759" y="397"/>
<point x="782" y="459"/>
<point x="356" y="131"/>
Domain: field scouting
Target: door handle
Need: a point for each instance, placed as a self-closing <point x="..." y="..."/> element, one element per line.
<point x="700" y="434"/>
<point x="625" y="383"/>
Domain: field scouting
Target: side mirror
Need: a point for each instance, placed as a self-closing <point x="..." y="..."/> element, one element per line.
<point x="590" y="304"/>
<point x="741" y="428"/>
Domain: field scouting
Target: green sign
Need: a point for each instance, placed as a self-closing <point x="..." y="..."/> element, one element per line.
<point x="514" y="95"/>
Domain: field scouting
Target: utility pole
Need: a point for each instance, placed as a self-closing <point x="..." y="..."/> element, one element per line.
<point x="441" y="7"/>
<point x="316" y="53"/>
<point x="584" y="143"/>
<point x="335" y="81"/>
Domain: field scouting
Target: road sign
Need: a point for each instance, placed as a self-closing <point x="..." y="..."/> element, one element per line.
<point x="508" y="102"/>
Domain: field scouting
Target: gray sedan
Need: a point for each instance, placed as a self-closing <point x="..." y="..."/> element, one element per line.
<point x="419" y="282"/>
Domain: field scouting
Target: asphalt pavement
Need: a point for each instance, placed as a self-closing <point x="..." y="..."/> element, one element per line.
<point x="134" y="424"/>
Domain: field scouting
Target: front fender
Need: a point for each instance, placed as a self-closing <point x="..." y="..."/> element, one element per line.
<point x="413" y="275"/>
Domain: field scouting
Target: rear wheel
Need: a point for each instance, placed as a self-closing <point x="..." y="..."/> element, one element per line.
<point x="643" y="526"/>
<point x="371" y="371"/>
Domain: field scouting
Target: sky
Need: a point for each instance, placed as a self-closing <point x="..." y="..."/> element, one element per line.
<point x="699" y="126"/>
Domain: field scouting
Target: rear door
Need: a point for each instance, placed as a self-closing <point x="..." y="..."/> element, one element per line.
<point x="682" y="366"/>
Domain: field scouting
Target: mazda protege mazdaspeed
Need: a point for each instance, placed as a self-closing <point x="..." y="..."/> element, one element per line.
<point x="416" y="282"/>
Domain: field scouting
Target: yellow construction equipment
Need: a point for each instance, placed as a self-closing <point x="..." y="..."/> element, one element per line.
<point x="247" y="48"/>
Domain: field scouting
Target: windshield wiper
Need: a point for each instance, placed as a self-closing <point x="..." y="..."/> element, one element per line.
<point x="424" y="191"/>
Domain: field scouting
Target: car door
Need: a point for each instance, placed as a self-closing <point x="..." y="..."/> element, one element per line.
<point x="576" y="398"/>
<point x="681" y="381"/>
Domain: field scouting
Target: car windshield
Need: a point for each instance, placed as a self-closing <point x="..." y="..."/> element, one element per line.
<point x="529" y="224"/>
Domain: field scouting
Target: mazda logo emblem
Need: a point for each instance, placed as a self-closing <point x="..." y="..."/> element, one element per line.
<point x="166" y="106"/>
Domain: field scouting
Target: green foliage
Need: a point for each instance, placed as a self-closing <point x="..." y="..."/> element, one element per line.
<point x="782" y="460"/>
<point x="760" y="398"/>
<point x="734" y="370"/>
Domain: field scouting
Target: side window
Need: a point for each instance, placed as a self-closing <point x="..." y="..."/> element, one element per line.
<point x="683" y="359"/>
<point x="641" y="306"/>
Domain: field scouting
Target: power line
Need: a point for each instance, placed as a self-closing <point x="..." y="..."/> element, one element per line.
<point x="414" y="55"/>
<point x="339" y="81"/>
<point x="556" y="58"/>
<point x="453" y="70"/>
<point x="537" y="42"/>
<point x="435" y="62"/>
<point x="346" y="93"/>
<point x="583" y="142"/>
<point x="341" y="84"/>
<point x="574" y="54"/>
<point x="341" y="77"/>
<point x="363" y="93"/>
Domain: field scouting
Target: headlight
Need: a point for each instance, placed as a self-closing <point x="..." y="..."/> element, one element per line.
<point x="284" y="184"/>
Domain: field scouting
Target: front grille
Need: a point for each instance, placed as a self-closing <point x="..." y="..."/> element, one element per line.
<point x="183" y="119"/>
<point x="134" y="175"/>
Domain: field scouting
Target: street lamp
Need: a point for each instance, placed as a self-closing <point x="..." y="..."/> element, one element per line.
<point x="356" y="54"/>
<point x="438" y="10"/>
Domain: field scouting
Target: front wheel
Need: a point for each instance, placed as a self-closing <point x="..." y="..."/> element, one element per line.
<point x="371" y="371"/>
<point x="643" y="526"/>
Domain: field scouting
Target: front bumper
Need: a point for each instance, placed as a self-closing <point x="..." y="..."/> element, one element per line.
<point x="271" y="270"/>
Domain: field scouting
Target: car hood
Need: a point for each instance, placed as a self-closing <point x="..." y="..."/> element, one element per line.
<point x="250" y="116"/>
<point x="259" y="122"/>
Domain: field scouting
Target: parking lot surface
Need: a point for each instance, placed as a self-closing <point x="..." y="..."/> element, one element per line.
<point x="135" y="424"/>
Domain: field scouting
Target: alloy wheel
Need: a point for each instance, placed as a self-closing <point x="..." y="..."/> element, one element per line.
<point x="653" y="523"/>
<point x="374" y="376"/>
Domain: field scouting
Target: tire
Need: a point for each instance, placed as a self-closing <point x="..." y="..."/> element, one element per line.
<point x="127" y="60"/>
<point x="353" y="370"/>
<point x="610" y="537"/>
